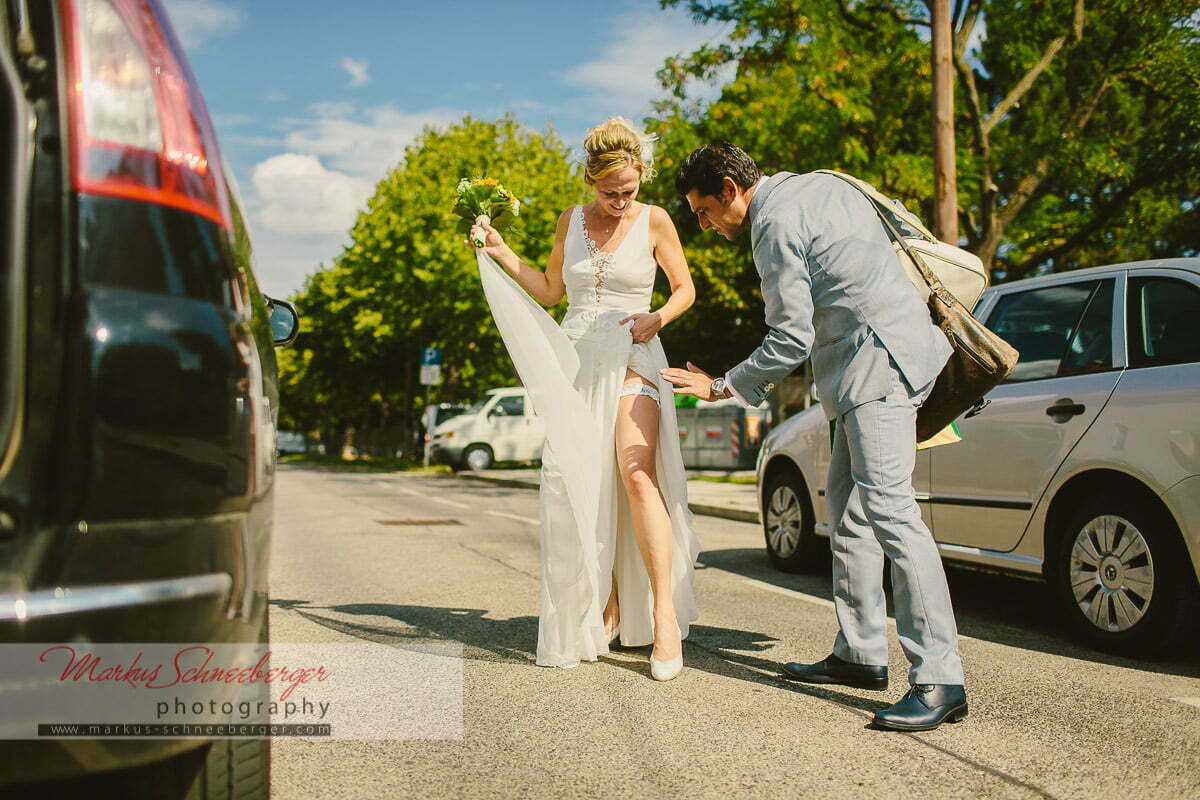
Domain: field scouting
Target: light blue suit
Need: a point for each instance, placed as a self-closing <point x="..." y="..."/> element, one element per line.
<point x="835" y="292"/>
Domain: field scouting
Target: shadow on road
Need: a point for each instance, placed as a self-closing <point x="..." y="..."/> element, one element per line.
<point x="483" y="639"/>
<point x="994" y="608"/>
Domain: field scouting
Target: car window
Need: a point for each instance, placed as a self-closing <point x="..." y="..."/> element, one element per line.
<point x="1164" y="322"/>
<point x="1039" y="323"/>
<point x="1091" y="346"/>
<point x="514" y="405"/>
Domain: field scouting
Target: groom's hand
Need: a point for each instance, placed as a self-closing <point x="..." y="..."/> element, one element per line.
<point x="693" y="381"/>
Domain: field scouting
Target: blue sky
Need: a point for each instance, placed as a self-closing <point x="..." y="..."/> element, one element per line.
<point x="314" y="101"/>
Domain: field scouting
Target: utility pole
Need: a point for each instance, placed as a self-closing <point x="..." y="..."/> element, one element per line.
<point x="945" y="173"/>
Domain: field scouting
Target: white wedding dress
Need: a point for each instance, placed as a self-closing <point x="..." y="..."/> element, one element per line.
<point x="574" y="374"/>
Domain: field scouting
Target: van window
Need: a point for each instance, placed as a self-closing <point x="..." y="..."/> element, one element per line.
<point x="514" y="405"/>
<point x="1164" y="322"/>
<point x="1039" y="323"/>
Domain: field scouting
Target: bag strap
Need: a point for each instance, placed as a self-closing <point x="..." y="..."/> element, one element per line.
<point x="892" y="208"/>
<point x="931" y="280"/>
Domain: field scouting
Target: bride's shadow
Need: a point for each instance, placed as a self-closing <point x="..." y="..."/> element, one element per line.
<point x="726" y="652"/>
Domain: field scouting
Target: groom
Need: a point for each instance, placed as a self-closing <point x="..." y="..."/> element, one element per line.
<point x="835" y="292"/>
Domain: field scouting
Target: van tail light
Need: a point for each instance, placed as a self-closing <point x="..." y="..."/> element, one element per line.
<point x="139" y="127"/>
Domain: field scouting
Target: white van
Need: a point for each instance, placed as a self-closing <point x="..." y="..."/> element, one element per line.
<point x="500" y="427"/>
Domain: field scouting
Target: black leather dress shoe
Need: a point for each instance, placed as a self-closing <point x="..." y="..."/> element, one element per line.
<point x="924" y="707"/>
<point x="839" y="671"/>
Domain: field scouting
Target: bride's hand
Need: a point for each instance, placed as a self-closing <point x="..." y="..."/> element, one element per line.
<point x="644" y="326"/>
<point x="493" y="243"/>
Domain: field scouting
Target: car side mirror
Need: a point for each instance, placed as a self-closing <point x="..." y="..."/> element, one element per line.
<point x="497" y="411"/>
<point x="284" y="321"/>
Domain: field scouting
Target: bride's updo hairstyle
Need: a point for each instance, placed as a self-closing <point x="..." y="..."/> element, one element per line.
<point x="613" y="145"/>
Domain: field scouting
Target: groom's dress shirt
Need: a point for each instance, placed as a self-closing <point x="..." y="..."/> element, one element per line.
<point x="833" y="291"/>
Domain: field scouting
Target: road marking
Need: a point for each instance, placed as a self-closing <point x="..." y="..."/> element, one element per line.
<point x="517" y="517"/>
<point x="451" y="503"/>
<point x="1191" y="701"/>
<point x="395" y="488"/>
<point x="808" y="598"/>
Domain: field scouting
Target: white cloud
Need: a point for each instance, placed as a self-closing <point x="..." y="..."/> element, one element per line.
<point x="253" y="141"/>
<point x="622" y="79"/>
<point x="304" y="201"/>
<point x="332" y="109"/>
<point x="357" y="69"/>
<point x="231" y="120"/>
<point x="365" y="147"/>
<point x="978" y="35"/>
<point x="197" y="21"/>
<point x="299" y="196"/>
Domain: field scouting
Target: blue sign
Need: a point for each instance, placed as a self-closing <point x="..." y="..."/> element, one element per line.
<point x="431" y="356"/>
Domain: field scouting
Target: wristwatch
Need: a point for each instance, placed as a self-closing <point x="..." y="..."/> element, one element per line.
<point x="718" y="387"/>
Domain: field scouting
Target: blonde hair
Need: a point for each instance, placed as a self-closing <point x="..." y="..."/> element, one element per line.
<point x="613" y="145"/>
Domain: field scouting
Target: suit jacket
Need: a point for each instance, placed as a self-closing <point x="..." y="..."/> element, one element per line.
<point x="835" y="291"/>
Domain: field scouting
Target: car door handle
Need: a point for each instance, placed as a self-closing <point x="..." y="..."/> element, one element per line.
<point x="1065" y="410"/>
<point x="978" y="408"/>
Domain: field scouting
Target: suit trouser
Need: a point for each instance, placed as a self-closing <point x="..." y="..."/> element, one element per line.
<point x="874" y="512"/>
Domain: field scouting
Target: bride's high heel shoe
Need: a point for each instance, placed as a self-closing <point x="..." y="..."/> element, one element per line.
<point x="667" y="670"/>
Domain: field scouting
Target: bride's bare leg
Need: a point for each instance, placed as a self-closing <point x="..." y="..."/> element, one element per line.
<point x="612" y="611"/>
<point x="636" y="438"/>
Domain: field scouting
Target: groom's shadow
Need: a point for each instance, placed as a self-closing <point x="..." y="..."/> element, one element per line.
<point x="730" y="653"/>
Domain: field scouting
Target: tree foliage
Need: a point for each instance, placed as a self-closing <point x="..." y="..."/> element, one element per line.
<point x="407" y="280"/>
<point x="1078" y="142"/>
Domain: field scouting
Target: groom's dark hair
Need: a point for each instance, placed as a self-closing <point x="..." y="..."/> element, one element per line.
<point x="705" y="168"/>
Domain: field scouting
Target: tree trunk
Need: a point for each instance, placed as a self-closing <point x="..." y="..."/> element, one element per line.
<point x="945" y="173"/>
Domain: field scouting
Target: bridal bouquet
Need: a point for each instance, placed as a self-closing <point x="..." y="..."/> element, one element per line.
<point x="483" y="201"/>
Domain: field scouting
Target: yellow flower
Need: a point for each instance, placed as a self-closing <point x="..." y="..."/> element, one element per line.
<point x="488" y="182"/>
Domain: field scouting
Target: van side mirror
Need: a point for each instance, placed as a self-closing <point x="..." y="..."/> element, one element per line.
<point x="284" y="321"/>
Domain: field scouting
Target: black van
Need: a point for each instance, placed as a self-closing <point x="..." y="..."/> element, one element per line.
<point x="138" y="395"/>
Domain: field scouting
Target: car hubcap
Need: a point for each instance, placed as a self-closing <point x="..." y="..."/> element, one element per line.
<point x="478" y="459"/>
<point x="783" y="521"/>
<point x="1112" y="573"/>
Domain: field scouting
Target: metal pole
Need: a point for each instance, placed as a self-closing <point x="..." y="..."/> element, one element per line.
<point x="427" y="432"/>
<point x="945" y="174"/>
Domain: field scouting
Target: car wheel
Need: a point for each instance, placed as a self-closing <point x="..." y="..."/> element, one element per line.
<point x="792" y="544"/>
<point x="1123" y="577"/>
<point x="477" y="457"/>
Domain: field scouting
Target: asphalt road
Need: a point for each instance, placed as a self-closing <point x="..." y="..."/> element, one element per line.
<point x="1049" y="718"/>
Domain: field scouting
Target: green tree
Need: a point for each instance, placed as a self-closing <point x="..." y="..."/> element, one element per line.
<point x="1078" y="141"/>
<point x="407" y="280"/>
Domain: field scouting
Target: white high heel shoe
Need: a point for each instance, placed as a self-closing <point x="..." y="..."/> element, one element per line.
<point x="667" y="670"/>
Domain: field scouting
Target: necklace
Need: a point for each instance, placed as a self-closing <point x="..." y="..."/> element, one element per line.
<point x="610" y="228"/>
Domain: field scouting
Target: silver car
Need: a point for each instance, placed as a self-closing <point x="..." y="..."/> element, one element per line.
<point x="1083" y="468"/>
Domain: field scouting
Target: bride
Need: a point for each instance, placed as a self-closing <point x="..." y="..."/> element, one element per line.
<point x="617" y="546"/>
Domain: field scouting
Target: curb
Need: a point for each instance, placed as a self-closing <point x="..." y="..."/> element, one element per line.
<point x="735" y="514"/>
